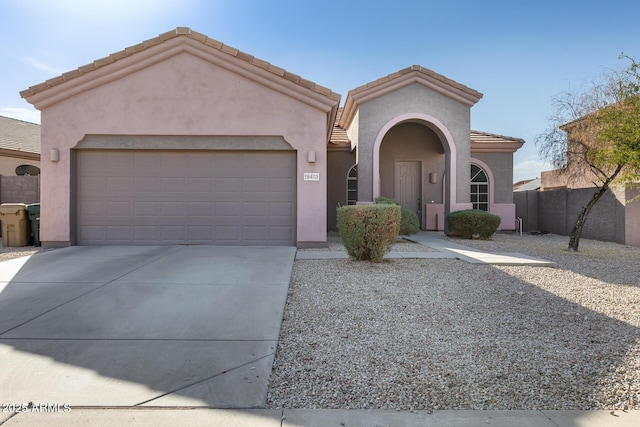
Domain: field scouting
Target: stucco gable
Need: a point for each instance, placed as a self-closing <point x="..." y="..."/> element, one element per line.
<point x="142" y="55"/>
<point x="402" y="78"/>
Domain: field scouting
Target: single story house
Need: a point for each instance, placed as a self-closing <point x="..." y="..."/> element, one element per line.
<point x="184" y="140"/>
<point x="19" y="146"/>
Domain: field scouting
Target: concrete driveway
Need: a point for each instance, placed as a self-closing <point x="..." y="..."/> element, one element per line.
<point x="142" y="326"/>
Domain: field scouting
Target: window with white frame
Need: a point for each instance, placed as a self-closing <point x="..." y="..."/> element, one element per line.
<point x="479" y="188"/>
<point x="352" y="185"/>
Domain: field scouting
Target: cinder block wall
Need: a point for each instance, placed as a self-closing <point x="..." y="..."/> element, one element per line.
<point x="556" y="211"/>
<point x="527" y="208"/>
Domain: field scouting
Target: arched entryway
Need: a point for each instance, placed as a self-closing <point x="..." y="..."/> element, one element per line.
<point x="412" y="163"/>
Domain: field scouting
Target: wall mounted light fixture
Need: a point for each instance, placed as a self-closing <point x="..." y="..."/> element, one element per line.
<point x="311" y="156"/>
<point x="54" y="155"/>
<point x="433" y="177"/>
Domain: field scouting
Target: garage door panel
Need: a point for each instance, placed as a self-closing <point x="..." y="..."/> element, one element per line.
<point x="169" y="184"/>
<point x="230" y="208"/>
<point x="172" y="208"/>
<point x="254" y="209"/>
<point x="119" y="208"/>
<point x="145" y="233"/>
<point x="142" y="208"/>
<point x="200" y="184"/>
<point x="120" y="160"/>
<point x="186" y="198"/>
<point x="254" y="185"/>
<point x="280" y="233"/>
<point x="143" y="184"/>
<point x="281" y="185"/>
<point x="281" y="209"/>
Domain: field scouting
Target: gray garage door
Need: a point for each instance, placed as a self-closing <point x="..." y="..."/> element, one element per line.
<point x="129" y="197"/>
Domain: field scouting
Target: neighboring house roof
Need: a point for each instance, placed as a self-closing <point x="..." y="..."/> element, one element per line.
<point x="527" y="185"/>
<point x="402" y="78"/>
<point x="18" y="137"/>
<point x="483" y="142"/>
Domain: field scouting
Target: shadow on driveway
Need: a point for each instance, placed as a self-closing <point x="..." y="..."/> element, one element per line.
<point x="150" y="326"/>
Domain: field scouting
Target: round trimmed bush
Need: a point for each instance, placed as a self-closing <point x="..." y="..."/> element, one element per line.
<point x="472" y="223"/>
<point x="368" y="231"/>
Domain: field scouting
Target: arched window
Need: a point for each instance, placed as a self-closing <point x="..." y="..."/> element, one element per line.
<point x="352" y="185"/>
<point x="479" y="188"/>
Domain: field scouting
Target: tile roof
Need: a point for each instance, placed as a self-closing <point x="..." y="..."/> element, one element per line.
<point x="339" y="137"/>
<point x="180" y="32"/>
<point x="484" y="142"/>
<point x="19" y="136"/>
<point x="420" y="69"/>
<point x="492" y="138"/>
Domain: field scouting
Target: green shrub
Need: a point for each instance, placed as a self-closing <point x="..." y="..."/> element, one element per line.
<point x="472" y="223"/>
<point x="409" y="223"/>
<point x="368" y="231"/>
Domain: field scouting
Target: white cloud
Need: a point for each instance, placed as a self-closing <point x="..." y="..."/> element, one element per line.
<point x="24" y="114"/>
<point x="44" y="67"/>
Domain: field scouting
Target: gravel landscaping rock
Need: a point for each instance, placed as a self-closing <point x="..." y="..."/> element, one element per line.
<point x="18" y="252"/>
<point x="445" y="334"/>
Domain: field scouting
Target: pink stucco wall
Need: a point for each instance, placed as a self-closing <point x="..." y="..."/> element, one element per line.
<point x="180" y="88"/>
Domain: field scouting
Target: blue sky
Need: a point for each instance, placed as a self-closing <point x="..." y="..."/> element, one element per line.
<point x="519" y="54"/>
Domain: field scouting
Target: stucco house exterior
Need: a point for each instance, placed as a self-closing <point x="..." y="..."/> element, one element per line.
<point x="184" y="140"/>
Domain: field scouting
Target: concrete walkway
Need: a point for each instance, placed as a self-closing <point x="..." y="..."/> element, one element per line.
<point x="444" y="248"/>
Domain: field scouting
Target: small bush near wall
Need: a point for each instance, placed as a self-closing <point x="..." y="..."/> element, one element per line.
<point x="409" y="223"/>
<point x="368" y="231"/>
<point x="472" y="223"/>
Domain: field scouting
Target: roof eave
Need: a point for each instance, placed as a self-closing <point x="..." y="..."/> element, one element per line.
<point x="19" y="154"/>
<point x="492" y="147"/>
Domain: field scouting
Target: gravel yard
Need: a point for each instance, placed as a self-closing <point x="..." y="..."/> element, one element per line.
<point x="445" y="334"/>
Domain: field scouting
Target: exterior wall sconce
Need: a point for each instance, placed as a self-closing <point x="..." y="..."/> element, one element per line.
<point x="433" y="177"/>
<point x="311" y="156"/>
<point x="54" y="155"/>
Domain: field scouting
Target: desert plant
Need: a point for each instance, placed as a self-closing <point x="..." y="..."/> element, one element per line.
<point x="409" y="223"/>
<point x="473" y="223"/>
<point x="368" y="231"/>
